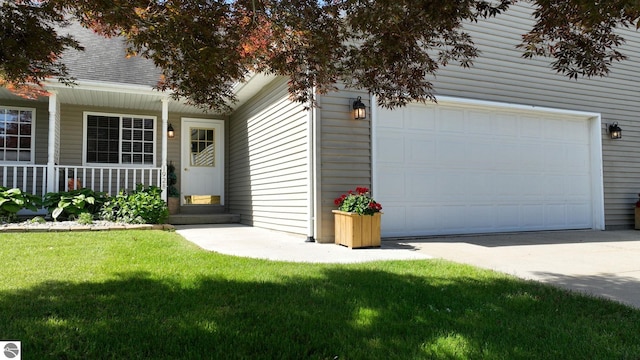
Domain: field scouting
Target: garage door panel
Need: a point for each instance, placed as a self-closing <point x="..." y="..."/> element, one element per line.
<point x="420" y="119"/>
<point x="505" y="126"/>
<point x="422" y="217"/>
<point x="391" y="183"/>
<point x="532" y="216"/>
<point x="479" y="123"/>
<point x="530" y="127"/>
<point x="480" y="217"/>
<point x="420" y="151"/>
<point x="424" y="188"/>
<point x="394" y="220"/>
<point x="468" y="169"/>
<point x="575" y="131"/>
<point x="577" y="213"/>
<point x="451" y="151"/>
<point x="578" y="158"/>
<point x="507" y="217"/>
<point x="451" y="120"/>
<point x="556" y="215"/>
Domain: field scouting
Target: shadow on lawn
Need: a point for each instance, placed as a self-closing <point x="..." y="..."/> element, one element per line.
<point x="349" y="313"/>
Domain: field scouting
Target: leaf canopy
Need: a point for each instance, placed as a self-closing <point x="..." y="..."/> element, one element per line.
<point x="391" y="48"/>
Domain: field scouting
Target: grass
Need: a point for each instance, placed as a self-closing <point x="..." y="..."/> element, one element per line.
<point x="153" y="295"/>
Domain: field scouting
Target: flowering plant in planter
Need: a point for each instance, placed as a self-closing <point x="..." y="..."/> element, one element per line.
<point x="358" y="201"/>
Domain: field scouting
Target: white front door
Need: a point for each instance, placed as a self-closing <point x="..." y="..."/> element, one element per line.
<point x="202" y="170"/>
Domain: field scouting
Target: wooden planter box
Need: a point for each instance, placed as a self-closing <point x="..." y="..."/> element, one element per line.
<point x="357" y="231"/>
<point x="637" y="227"/>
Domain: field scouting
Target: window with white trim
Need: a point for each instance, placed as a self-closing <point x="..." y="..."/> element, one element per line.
<point x="17" y="134"/>
<point x="119" y="139"/>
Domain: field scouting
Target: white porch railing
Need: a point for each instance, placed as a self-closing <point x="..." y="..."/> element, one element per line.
<point x="105" y="179"/>
<point x="28" y="178"/>
<point x="33" y="178"/>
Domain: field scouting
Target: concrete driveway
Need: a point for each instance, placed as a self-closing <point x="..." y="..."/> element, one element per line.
<point x="601" y="263"/>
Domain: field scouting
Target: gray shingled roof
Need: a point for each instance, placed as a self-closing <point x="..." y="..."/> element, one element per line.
<point x="104" y="60"/>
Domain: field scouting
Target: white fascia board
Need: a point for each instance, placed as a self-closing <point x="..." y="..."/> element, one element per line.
<point x="108" y="87"/>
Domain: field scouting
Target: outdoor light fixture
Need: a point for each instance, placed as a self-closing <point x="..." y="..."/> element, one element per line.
<point x="170" y="132"/>
<point x="614" y="131"/>
<point x="359" y="110"/>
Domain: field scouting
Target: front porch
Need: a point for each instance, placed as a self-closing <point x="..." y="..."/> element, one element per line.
<point x="109" y="138"/>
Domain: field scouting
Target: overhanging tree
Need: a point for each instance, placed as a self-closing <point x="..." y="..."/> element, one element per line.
<point x="391" y="48"/>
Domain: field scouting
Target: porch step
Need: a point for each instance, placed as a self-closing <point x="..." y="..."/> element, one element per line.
<point x="195" y="219"/>
<point x="202" y="209"/>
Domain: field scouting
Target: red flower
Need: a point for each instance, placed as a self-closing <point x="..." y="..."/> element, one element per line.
<point x="362" y="190"/>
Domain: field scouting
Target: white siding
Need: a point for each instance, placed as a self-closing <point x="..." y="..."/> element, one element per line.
<point x="268" y="164"/>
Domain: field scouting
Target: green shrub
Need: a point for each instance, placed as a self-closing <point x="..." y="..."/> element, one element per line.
<point x="75" y="202"/>
<point x="85" y="218"/>
<point x="142" y="206"/>
<point x="14" y="200"/>
<point x="37" y="220"/>
<point x="172" y="179"/>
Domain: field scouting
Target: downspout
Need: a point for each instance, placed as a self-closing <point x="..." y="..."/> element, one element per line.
<point x="373" y="103"/>
<point x="311" y="163"/>
<point x="51" y="148"/>
<point x="163" y="164"/>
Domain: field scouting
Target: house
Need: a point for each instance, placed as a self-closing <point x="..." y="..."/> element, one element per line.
<point x="510" y="145"/>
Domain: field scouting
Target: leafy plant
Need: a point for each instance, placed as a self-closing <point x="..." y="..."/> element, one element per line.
<point x="37" y="220"/>
<point x="13" y="200"/>
<point x="85" y="218"/>
<point x="172" y="179"/>
<point x="358" y="201"/>
<point x="74" y="202"/>
<point x="142" y="206"/>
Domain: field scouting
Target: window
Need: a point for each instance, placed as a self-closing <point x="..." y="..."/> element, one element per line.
<point x="17" y="127"/>
<point x="119" y="139"/>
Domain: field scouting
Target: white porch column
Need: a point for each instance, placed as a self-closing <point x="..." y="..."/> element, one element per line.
<point x="52" y="140"/>
<point x="163" y="165"/>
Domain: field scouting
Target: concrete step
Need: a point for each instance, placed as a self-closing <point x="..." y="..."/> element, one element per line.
<point x="195" y="219"/>
<point x="202" y="209"/>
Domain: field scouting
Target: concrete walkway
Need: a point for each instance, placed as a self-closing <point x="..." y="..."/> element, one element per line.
<point x="601" y="263"/>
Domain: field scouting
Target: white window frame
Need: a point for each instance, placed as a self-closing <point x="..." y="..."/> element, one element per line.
<point x="85" y="116"/>
<point x="33" y="135"/>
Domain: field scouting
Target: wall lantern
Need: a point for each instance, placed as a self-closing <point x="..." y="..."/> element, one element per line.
<point x="170" y="133"/>
<point x="614" y="131"/>
<point x="359" y="110"/>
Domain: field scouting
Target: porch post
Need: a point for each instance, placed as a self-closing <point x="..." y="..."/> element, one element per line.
<point x="52" y="140"/>
<point x="163" y="165"/>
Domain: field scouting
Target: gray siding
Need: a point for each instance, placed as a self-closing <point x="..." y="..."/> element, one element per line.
<point x="344" y="154"/>
<point x="268" y="173"/>
<point x="501" y="74"/>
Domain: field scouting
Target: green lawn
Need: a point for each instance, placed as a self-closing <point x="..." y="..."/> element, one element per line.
<point x="151" y="294"/>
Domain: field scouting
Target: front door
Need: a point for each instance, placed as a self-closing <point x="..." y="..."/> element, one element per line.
<point x="202" y="174"/>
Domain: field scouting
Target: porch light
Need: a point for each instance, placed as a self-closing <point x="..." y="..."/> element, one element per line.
<point x="170" y="133"/>
<point x="359" y="110"/>
<point x="614" y="131"/>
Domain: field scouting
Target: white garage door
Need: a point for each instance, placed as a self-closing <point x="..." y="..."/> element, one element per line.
<point x="456" y="168"/>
